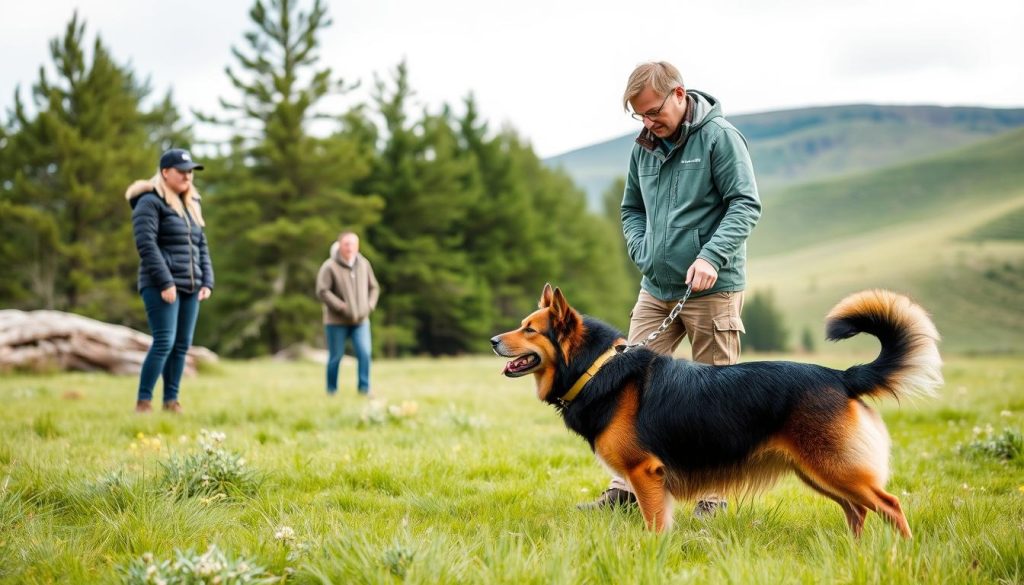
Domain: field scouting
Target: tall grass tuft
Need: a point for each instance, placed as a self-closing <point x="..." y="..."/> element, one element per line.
<point x="212" y="567"/>
<point x="211" y="471"/>
<point x="1007" y="445"/>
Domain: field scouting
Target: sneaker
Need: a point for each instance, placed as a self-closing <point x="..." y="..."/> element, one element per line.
<point x="611" y="498"/>
<point x="173" y="406"/>
<point x="144" y="406"/>
<point x="708" y="508"/>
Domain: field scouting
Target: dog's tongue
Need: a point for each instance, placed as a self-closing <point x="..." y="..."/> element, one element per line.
<point x="514" y="365"/>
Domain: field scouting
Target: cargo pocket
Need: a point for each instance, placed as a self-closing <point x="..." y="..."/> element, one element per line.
<point x="726" y="350"/>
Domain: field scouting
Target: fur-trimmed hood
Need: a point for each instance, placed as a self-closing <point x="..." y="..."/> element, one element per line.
<point x="156" y="185"/>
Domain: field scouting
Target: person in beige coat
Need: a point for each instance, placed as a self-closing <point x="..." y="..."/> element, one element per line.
<point x="349" y="291"/>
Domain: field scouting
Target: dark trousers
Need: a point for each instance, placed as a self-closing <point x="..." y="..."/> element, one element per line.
<point x="172" y="326"/>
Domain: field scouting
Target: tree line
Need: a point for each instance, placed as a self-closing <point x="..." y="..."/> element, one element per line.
<point x="462" y="223"/>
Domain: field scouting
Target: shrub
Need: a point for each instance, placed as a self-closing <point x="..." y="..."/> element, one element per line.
<point x="212" y="471"/>
<point x="378" y="412"/>
<point x="398" y="559"/>
<point x="189" y="567"/>
<point x="1006" y="446"/>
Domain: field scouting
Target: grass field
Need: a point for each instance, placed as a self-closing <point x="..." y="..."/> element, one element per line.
<point x="468" y="479"/>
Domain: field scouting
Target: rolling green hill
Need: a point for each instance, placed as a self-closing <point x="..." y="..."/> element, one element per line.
<point x="1008" y="227"/>
<point x="951" y="183"/>
<point x="795" y="146"/>
<point x="947" y="230"/>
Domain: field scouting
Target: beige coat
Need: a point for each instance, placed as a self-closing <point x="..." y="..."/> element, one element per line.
<point x="349" y="294"/>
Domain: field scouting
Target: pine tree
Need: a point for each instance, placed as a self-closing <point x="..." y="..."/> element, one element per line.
<point x="433" y="301"/>
<point x="499" y="227"/>
<point x="68" y="160"/>
<point x="807" y="341"/>
<point x="282" y="196"/>
<point x="588" y="251"/>
<point x="611" y="201"/>
<point x="612" y="206"/>
<point x="764" y="323"/>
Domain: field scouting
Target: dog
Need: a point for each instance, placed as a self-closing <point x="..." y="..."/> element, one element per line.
<point x="677" y="429"/>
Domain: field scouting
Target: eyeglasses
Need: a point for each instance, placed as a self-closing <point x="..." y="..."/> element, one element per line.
<point x="651" y="115"/>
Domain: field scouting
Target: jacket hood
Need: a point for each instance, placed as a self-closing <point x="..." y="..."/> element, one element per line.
<point x="190" y="199"/>
<point x="705" y="108"/>
<point x="701" y="108"/>
<point x="334" y="255"/>
<point x="138" y="188"/>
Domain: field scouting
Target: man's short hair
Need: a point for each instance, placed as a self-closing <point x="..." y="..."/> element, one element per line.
<point x="347" y="233"/>
<point x="661" y="76"/>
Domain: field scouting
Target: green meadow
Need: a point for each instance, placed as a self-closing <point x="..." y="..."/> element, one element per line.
<point x="458" y="475"/>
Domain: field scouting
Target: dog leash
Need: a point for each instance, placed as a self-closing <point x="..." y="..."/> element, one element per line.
<point x="564" y="401"/>
<point x="664" y="324"/>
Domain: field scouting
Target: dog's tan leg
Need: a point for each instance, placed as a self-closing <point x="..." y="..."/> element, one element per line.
<point x="847" y="457"/>
<point x="861" y="490"/>
<point x="879" y="501"/>
<point x="855" y="513"/>
<point x="889" y="507"/>
<point x="648" y="481"/>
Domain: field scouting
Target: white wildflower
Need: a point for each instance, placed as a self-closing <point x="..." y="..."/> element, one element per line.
<point x="285" y="533"/>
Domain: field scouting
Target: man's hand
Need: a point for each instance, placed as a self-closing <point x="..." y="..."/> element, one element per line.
<point x="204" y="293"/>
<point x="169" y="295"/>
<point x="701" y="275"/>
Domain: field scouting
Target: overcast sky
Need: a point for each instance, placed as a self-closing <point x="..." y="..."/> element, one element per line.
<point x="555" y="70"/>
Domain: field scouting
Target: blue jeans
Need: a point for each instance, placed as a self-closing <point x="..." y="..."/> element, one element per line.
<point x="336" y="337"/>
<point x="172" y="326"/>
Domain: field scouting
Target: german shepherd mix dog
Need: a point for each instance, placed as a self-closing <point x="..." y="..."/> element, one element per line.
<point x="680" y="429"/>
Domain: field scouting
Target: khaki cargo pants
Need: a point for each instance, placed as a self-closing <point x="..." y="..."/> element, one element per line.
<point x="712" y="324"/>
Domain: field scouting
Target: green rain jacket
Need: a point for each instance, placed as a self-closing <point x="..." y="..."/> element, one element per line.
<point x="695" y="198"/>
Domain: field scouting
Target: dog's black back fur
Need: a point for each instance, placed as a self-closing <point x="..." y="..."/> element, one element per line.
<point x="693" y="416"/>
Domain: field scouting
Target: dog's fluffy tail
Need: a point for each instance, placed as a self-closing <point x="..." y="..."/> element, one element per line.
<point x="909" y="363"/>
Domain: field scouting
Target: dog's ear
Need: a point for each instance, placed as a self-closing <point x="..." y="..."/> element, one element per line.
<point x="563" y="317"/>
<point x="545" y="297"/>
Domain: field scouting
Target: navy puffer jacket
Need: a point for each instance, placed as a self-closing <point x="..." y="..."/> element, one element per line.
<point x="172" y="249"/>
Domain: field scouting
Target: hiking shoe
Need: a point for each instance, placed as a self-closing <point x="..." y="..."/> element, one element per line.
<point x="708" y="508"/>
<point x="611" y="498"/>
<point x="173" y="406"/>
<point x="144" y="406"/>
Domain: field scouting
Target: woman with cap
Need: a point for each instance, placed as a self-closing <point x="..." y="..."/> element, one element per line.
<point x="175" y="271"/>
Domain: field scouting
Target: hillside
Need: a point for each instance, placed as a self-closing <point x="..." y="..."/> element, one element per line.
<point x="794" y="146"/>
<point x="945" y="230"/>
<point x="955" y="182"/>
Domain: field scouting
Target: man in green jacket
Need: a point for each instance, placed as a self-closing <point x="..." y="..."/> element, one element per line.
<point x="689" y="204"/>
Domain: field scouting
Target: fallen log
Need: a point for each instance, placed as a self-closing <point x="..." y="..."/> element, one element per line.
<point x="48" y="340"/>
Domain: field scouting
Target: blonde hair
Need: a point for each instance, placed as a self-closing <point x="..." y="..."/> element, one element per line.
<point x="660" y="76"/>
<point x="191" y="198"/>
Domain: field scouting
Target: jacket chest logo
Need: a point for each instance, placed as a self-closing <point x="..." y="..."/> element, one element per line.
<point x="691" y="161"/>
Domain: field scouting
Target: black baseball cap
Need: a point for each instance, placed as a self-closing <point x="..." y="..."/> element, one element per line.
<point x="180" y="159"/>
